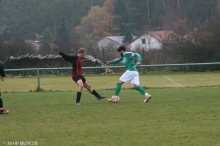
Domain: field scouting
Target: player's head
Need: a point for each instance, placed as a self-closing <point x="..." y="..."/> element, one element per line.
<point x="82" y="52"/>
<point x="121" y="49"/>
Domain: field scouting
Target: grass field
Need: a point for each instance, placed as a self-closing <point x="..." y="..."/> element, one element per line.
<point x="184" y="110"/>
<point x="150" y="80"/>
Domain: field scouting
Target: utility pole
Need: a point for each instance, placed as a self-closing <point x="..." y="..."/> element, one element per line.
<point x="55" y="28"/>
<point x="178" y="1"/>
<point x="143" y="48"/>
<point x="148" y="14"/>
<point x="164" y="4"/>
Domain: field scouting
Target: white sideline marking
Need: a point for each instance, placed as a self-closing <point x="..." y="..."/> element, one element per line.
<point x="173" y="81"/>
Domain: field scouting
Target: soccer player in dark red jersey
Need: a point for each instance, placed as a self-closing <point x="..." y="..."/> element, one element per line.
<point x="2" y="74"/>
<point x="77" y="74"/>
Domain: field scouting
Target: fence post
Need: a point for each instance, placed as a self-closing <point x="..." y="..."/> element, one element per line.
<point x="38" y="79"/>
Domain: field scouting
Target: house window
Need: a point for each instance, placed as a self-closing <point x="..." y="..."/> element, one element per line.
<point x="143" y="41"/>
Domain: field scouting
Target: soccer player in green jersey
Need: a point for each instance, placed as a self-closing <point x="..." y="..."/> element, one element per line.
<point x="131" y="74"/>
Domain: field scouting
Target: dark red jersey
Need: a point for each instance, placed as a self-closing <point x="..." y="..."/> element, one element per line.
<point x="76" y="64"/>
<point x="77" y="68"/>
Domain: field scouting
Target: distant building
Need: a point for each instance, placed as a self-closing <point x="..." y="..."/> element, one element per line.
<point x="30" y="43"/>
<point x="152" y="40"/>
<point x="33" y="44"/>
<point x="111" y="41"/>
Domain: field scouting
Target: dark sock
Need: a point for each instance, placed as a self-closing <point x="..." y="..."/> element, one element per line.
<point x="1" y="102"/>
<point x="95" y="93"/>
<point x="78" y="96"/>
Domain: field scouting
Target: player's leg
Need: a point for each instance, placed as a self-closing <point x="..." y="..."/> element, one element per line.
<point x="124" y="78"/>
<point x="79" y="82"/>
<point x="147" y="96"/>
<point x="92" y="91"/>
<point x="115" y="97"/>
<point x="136" y="82"/>
<point x="79" y="92"/>
<point x="1" y="102"/>
<point x="2" y="110"/>
<point x="118" y="87"/>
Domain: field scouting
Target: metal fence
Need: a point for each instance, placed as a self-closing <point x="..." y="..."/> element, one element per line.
<point x="108" y="67"/>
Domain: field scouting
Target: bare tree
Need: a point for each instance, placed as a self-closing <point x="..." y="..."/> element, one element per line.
<point x="218" y="7"/>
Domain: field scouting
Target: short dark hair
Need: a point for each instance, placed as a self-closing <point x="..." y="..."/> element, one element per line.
<point x="82" y="50"/>
<point x="121" y="48"/>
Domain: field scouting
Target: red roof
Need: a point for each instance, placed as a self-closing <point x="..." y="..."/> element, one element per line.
<point x="163" y="36"/>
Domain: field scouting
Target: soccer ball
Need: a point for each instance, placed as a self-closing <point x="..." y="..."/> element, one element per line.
<point x="117" y="98"/>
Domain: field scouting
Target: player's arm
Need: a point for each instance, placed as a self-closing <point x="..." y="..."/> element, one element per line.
<point x="69" y="58"/>
<point x="115" y="61"/>
<point x="139" y="58"/>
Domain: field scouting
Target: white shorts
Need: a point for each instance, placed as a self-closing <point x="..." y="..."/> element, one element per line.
<point x="132" y="76"/>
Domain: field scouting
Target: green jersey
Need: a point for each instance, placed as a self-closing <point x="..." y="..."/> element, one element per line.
<point x="128" y="60"/>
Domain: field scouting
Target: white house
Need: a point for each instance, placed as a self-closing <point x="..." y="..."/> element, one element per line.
<point x="111" y="41"/>
<point x="151" y="40"/>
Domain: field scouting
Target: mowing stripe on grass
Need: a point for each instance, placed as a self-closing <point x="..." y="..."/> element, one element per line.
<point x="173" y="81"/>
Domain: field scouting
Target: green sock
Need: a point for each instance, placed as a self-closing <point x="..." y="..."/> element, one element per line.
<point x="117" y="89"/>
<point x="141" y="90"/>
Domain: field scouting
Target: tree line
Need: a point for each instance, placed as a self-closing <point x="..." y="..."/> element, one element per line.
<point x="27" y="17"/>
<point x="71" y="24"/>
